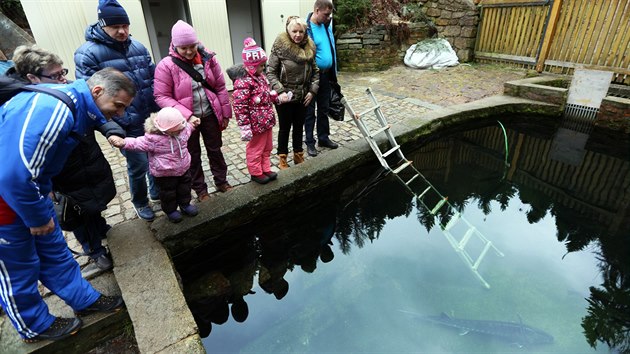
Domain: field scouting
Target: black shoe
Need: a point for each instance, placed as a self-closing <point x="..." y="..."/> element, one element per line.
<point x="262" y="179"/>
<point x="103" y="304"/>
<point x="272" y="175"/>
<point x="328" y="144"/>
<point x="311" y="150"/>
<point x="60" y="328"/>
<point x="103" y="262"/>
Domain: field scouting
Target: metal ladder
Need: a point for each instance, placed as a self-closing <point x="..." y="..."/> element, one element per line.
<point x="404" y="166"/>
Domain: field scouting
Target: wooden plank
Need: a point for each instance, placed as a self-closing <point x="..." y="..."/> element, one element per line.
<point x="508" y="57"/>
<point x="620" y="44"/>
<point x="612" y="46"/>
<point x="606" y="14"/>
<point x="511" y="29"/>
<point x="509" y="3"/>
<point x="488" y="19"/>
<point x="564" y="42"/>
<point x="572" y="65"/>
<point x="590" y="42"/>
<point x="526" y="34"/>
<point x="579" y="39"/>
<point x="548" y="35"/>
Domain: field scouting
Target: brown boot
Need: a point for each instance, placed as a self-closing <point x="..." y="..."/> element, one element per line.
<point x="283" y="165"/>
<point x="298" y="157"/>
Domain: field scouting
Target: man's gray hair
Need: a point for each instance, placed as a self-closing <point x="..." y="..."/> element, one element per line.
<point x="31" y="59"/>
<point x="112" y="82"/>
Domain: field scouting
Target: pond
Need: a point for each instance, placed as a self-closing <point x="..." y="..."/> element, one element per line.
<point x="365" y="267"/>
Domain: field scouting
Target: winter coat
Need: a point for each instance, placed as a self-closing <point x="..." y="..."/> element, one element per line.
<point x="173" y="86"/>
<point x="132" y="58"/>
<point x="86" y="175"/>
<point x="168" y="154"/>
<point x="33" y="157"/>
<point x="252" y="100"/>
<point x="292" y="67"/>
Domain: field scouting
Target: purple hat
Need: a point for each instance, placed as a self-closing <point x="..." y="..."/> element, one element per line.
<point x="183" y="34"/>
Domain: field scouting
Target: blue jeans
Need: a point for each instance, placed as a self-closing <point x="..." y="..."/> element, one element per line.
<point x="138" y="172"/>
<point x="323" y="102"/>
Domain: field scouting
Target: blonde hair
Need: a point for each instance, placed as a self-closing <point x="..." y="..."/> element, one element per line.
<point x="291" y="20"/>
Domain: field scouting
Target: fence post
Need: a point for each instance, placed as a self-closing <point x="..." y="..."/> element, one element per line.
<point x="550" y="29"/>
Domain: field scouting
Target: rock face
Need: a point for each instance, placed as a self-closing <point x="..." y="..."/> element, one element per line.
<point x="12" y="36"/>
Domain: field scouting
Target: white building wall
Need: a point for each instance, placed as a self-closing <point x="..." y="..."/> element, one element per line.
<point x="59" y="25"/>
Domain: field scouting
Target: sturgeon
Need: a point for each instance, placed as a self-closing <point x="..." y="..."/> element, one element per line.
<point x="513" y="332"/>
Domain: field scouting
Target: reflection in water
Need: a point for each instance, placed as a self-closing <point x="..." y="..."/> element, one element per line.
<point x="386" y="267"/>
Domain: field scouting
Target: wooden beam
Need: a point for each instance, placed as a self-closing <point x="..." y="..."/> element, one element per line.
<point x="548" y="36"/>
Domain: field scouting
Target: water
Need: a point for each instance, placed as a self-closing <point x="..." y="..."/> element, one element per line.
<point x="389" y="257"/>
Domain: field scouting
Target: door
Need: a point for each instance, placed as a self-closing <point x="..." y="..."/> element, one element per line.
<point x="244" y="18"/>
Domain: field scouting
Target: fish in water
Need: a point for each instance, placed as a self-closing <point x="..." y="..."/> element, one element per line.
<point x="513" y="332"/>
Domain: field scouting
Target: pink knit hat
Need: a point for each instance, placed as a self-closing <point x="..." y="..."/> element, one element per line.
<point x="253" y="55"/>
<point x="183" y="34"/>
<point x="168" y="118"/>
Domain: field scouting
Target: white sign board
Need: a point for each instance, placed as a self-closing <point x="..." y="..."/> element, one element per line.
<point x="589" y="87"/>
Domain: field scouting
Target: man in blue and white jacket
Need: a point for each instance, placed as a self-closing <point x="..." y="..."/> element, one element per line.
<point x="37" y="134"/>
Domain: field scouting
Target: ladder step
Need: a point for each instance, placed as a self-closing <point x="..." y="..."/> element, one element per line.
<point x="369" y="110"/>
<point x="452" y="222"/>
<point x="412" y="178"/>
<point x="423" y="192"/>
<point x="482" y="255"/>
<point x="401" y="167"/>
<point x="377" y="132"/>
<point x="391" y="151"/>
<point x="439" y="205"/>
<point x="467" y="235"/>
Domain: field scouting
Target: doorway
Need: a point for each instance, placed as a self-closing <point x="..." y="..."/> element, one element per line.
<point x="160" y="16"/>
<point x="244" y="21"/>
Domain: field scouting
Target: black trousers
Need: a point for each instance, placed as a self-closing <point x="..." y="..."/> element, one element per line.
<point x="290" y="115"/>
<point x="174" y="191"/>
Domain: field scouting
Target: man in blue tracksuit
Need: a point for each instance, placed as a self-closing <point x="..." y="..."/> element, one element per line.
<point x="37" y="133"/>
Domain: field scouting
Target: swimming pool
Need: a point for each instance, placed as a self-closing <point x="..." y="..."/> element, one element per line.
<point x="364" y="267"/>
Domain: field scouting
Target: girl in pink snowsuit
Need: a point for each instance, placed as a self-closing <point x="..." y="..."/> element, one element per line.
<point x="253" y="108"/>
<point x="165" y="140"/>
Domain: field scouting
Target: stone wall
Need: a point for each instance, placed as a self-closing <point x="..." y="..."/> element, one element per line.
<point x="377" y="48"/>
<point x="456" y="21"/>
<point x="374" y="48"/>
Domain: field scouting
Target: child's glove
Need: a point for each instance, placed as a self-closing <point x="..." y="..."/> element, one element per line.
<point x="246" y="132"/>
<point x="274" y="95"/>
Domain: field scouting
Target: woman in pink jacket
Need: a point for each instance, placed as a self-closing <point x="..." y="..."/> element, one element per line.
<point x="165" y="139"/>
<point x="204" y="96"/>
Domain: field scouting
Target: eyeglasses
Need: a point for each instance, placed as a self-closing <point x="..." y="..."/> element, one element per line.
<point x="56" y="76"/>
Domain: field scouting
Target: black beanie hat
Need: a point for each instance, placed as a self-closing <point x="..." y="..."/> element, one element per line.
<point x="111" y="13"/>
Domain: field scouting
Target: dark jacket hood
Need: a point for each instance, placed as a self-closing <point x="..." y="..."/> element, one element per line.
<point x="236" y="72"/>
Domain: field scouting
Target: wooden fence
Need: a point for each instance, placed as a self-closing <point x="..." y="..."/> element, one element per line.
<point x="557" y="35"/>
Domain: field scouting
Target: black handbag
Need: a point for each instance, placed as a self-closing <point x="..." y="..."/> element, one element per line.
<point x="336" y="110"/>
<point x="68" y="211"/>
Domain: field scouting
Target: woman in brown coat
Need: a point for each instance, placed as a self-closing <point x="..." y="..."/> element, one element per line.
<point x="293" y="73"/>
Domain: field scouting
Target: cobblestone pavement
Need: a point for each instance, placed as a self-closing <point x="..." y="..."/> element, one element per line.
<point x="402" y="92"/>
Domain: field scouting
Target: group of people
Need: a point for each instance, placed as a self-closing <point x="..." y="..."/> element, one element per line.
<point x="156" y="115"/>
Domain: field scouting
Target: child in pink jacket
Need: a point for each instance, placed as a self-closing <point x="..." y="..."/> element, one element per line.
<point x="165" y="140"/>
<point x="253" y="108"/>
